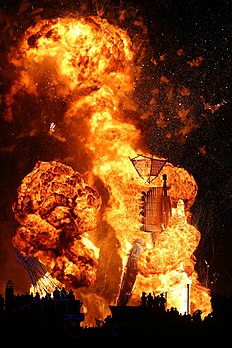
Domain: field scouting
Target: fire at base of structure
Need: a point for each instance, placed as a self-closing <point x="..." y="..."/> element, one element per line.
<point x="156" y="212"/>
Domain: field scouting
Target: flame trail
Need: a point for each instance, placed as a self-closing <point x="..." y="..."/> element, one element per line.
<point x="40" y="279"/>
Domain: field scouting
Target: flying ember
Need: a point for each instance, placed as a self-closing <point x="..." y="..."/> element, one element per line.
<point x="85" y="225"/>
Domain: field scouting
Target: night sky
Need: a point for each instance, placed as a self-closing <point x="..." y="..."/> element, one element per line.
<point x="180" y="31"/>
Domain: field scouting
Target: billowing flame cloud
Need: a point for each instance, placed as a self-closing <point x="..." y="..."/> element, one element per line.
<point x="57" y="210"/>
<point x="86" y="68"/>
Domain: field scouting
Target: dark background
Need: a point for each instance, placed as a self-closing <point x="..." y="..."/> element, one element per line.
<point x="200" y="29"/>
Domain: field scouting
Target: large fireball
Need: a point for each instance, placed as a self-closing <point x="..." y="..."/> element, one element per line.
<point x="85" y="227"/>
<point x="56" y="210"/>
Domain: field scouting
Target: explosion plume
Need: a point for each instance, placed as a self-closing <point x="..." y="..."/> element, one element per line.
<point x="79" y="75"/>
<point x="56" y="221"/>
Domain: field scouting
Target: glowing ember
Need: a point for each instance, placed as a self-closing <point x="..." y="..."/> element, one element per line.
<point x="85" y="235"/>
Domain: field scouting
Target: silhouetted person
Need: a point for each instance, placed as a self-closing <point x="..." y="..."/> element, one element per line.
<point x="48" y="296"/>
<point x="71" y="295"/>
<point x="144" y="299"/>
<point x="63" y="293"/>
<point x="37" y="297"/>
<point x="149" y="300"/>
<point x="56" y="294"/>
<point x="162" y="302"/>
<point x="156" y="302"/>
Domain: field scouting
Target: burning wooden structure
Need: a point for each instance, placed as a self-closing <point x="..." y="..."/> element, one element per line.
<point x="156" y="205"/>
<point x="156" y="209"/>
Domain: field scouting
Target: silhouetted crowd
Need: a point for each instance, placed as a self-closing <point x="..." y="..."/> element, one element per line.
<point x="20" y="301"/>
<point x="157" y="302"/>
<point x="54" y="320"/>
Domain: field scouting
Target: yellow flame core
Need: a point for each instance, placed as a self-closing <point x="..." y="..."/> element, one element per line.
<point x="91" y="61"/>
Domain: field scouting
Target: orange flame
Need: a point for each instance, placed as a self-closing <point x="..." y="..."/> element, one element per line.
<point x="85" y="232"/>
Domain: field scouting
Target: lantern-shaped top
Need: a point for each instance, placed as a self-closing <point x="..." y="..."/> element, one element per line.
<point x="148" y="167"/>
